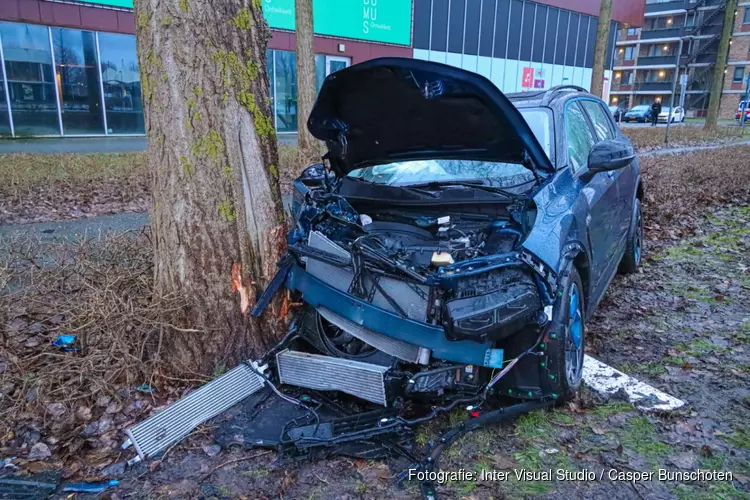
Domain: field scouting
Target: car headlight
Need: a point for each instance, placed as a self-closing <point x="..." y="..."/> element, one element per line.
<point x="495" y="315"/>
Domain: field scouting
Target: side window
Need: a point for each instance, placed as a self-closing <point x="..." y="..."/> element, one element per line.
<point x="602" y="123"/>
<point x="578" y="136"/>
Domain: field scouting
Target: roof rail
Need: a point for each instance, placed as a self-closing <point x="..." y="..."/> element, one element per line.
<point x="559" y="88"/>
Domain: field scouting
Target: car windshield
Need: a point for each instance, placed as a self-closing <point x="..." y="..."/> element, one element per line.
<point x="640" y="108"/>
<point x="406" y="173"/>
<point x="666" y="110"/>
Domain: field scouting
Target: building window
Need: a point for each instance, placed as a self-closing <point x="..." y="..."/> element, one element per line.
<point x="121" y="83"/>
<point x="739" y="74"/>
<point x="632" y="31"/>
<point x="31" y="87"/>
<point x="629" y="53"/>
<point x="746" y="19"/>
<point x="77" y="77"/>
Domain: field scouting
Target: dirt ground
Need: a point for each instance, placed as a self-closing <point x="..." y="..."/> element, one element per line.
<point x="682" y="324"/>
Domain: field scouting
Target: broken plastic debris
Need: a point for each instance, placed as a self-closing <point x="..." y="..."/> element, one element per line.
<point x="90" y="487"/>
<point x="145" y="388"/>
<point x="8" y="463"/>
<point x="64" y="341"/>
<point x="365" y="219"/>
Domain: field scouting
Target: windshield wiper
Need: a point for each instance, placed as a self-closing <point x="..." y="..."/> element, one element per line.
<point x="467" y="183"/>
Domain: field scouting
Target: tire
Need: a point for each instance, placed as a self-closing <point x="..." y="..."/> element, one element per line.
<point x="634" y="246"/>
<point x="566" y="339"/>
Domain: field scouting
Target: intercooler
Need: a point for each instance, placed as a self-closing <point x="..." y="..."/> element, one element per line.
<point x="410" y="297"/>
<point x="175" y="422"/>
<point x="324" y="373"/>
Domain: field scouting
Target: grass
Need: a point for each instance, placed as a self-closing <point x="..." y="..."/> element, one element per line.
<point x="640" y="436"/>
<point x="741" y="437"/>
<point x="20" y="171"/>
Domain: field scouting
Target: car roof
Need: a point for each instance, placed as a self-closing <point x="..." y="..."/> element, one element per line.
<point x="555" y="95"/>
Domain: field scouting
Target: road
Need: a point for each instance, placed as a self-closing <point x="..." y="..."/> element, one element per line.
<point x="90" y="144"/>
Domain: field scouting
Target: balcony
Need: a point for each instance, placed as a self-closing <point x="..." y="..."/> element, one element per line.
<point x="662" y="33"/>
<point x="713" y="29"/>
<point x="709" y="58"/>
<point x="666" y="6"/>
<point x="657" y="61"/>
<point x="653" y="86"/>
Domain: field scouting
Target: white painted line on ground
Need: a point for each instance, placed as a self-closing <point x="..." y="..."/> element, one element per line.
<point x="607" y="381"/>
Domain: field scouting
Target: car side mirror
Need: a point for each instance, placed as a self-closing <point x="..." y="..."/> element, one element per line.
<point x="610" y="155"/>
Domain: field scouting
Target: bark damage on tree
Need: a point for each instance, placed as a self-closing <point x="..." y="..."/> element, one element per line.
<point x="217" y="216"/>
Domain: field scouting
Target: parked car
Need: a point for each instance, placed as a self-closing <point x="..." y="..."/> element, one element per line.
<point x="617" y="112"/>
<point x="678" y="115"/>
<point x="458" y="240"/>
<point x="640" y="113"/>
<point x="743" y="106"/>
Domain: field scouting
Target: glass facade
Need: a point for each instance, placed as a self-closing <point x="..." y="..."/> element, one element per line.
<point x="68" y="82"/>
<point x="60" y="81"/>
<point x="121" y="84"/>
<point x="30" y="79"/>
<point x="282" y="75"/>
<point x="77" y="78"/>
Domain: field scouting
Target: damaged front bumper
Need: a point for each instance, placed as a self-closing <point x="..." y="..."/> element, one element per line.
<point x="319" y="294"/>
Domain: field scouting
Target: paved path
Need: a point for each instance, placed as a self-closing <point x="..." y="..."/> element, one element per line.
<point x="80" y="145"/>
<point x="690" y="149"/>
<point x="90" y="144"/>
<point x="74" y="230"/>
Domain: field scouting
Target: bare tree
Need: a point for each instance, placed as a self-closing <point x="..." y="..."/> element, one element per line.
<point x="217" y="216"/>
<point x="717" y="86"/>
<point x="305" y="73"/>
<point x="600" y="49"/>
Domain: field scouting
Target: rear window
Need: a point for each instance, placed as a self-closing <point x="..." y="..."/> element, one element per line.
<point x="541" y="124"/>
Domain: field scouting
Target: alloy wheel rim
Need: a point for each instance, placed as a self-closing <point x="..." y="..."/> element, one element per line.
<point x="574" y="339"/>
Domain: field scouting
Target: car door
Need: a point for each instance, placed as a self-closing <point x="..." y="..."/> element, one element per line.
<point x="606" y="130"/>
<point x="599" y="191"/>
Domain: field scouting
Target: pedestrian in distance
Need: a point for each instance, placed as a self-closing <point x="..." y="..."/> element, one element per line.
<point x="655" y="111"/>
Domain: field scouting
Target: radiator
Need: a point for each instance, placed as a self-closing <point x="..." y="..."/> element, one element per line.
<point x="176" y="421"/>
<point x="324" y="373"/>
<point x="410" y="297"/>
<point x="393" y="347"/>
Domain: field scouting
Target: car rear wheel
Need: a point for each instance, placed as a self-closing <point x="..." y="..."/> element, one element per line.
<point x="634" y="249"/>
<point x="566" y="339"/>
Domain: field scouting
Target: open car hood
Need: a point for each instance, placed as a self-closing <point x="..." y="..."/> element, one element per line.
<point x="397" y="109"/>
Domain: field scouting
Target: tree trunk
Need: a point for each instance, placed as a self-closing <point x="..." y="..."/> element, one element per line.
<point x="306" y="90"/>
<point x="717" y="86"/>
<point x="217" y="217"/>
<point x="600" y="48"/>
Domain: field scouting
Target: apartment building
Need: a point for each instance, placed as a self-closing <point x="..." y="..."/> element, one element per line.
<point x="679" y="41"/>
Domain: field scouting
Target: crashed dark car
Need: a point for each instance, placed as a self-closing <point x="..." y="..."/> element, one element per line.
<point x="446" y="254"/>
<point x="458" y="237"/>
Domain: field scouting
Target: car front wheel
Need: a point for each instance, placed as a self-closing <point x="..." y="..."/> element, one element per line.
<point x="566" y="339"/>
<point x="634" y="248"/>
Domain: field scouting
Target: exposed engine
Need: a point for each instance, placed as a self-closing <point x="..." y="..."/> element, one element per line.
<point x="420" y="266"/>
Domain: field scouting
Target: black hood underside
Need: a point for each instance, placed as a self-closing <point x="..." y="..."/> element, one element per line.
<point x="397" y="109"/>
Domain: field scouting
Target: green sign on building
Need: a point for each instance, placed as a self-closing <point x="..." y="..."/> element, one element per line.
<point x="123" y="4"/>
<point x="387" y="21"/>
